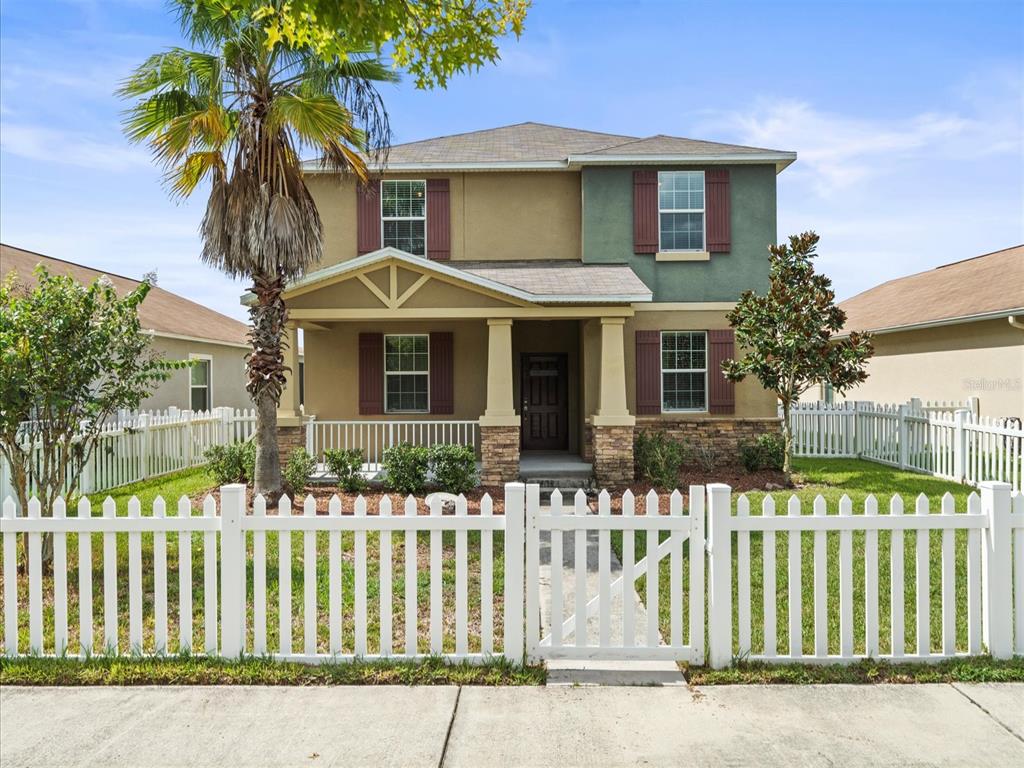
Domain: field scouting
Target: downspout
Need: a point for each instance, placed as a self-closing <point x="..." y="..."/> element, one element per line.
<point x="1016" y="321"/>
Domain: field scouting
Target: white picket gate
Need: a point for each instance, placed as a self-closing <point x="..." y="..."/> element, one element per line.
<point x="235" y="540"/>
<point x="617" y="639"/>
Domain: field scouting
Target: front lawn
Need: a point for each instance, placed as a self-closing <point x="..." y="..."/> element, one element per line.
<point x="832" y="478"/>
<point x="193" y="483"/>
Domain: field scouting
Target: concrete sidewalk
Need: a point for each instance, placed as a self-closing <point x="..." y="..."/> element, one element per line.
<point x="921" y="725"/>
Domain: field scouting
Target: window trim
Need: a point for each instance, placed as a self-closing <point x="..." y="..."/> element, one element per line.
<point x="702" y="211"/>
<point x="422" y="218"/>
<point x="209" y="379"/>
<point x="662" y="371"/>
<point x="405" y="373"/>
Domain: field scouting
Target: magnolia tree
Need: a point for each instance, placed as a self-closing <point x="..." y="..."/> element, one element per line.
<point x="787" y="334"/>
<point x="70" y="357"/>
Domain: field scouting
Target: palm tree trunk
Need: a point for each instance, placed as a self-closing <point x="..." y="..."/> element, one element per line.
<point x="266" y="371"/>
<point x="268" y="457"/>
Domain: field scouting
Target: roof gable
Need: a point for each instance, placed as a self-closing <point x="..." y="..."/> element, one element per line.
<point x="517" y="283"/>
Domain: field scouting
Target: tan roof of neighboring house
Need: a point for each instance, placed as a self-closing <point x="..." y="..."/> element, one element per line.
<point x="162" y="311"/>
<point x="537" y="145"/>
<point x="551" y="278"/>
<point x="982" y="285"/>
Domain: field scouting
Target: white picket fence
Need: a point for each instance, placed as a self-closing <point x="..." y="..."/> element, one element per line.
<point x="234" y="543"/>
<point x="373" y="437"/>
<point x="137" y="446"/>
<point x="940" y="440"/>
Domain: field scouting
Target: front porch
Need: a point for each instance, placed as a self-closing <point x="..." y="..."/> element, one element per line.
<point x="398" y="349"/>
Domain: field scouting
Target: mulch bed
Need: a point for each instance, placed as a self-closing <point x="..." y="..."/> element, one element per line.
<point x="735" y="476"/>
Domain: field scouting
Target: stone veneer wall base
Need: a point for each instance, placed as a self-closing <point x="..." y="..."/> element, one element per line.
<point x="724" y="434"/>
<point x="499" y="455"/>
<point x="613" y="455"/>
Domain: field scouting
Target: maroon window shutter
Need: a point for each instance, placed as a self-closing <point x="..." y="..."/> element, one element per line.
<point x="367" y="217"/>
<point x="371" y="373"/>
<point x="722" y="394"/>
<point x="716" y="190"/>
<point x="442" y="373"/>
<point x="648" y="372"/>
<point x="439" y="225"/>
<point x="645" y="211"/>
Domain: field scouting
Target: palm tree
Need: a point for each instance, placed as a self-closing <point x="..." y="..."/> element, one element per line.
<point x="235" y="113"/>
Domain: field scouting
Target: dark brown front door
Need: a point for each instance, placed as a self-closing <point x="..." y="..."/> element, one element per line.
<point x="545" y="402"/>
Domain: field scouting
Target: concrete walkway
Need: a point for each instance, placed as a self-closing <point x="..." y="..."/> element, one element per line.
<point x="921" y="725"/>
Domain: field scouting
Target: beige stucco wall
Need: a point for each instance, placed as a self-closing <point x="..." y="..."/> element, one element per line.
<point x="752" y="400"/>
<point x="494" y="216"/>
<point x="332" y="367"/>
<point x="983" y="360"/>
<point x="227" y="375"/>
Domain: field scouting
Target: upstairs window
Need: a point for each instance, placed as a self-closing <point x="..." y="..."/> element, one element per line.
<point x="681" y="210"/>
<point x="403" y="213"/>
<point x="684" y="370"/>
<point x="406" y="373"/>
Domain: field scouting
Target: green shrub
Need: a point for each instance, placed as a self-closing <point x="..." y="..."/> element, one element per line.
<point x="454" y="467"/>
<point x="297" y="471"/>
<point x="750" y="456"/>
<point x="659" y="458"/>
<point x="405" y="468"/>
<point x="766" y="452"/>
<point x="235" y="463"/>
<point x="773" y="449"/>
<point x="347" y="465"/>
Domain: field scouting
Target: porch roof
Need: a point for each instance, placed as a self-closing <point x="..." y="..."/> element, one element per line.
<point x="537" y="282"/>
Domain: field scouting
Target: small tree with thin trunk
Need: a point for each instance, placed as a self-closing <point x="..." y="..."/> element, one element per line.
<point x="71" y="356"/>
<point x="787" y="334"/>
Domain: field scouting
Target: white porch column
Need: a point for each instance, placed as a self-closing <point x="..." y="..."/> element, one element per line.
<point x="289" y="411"/>
<point x="612" y="410"/>
<point x="500" y="411"/>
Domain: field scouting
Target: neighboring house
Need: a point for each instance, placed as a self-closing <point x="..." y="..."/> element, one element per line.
<point x="182" y="330"/>
<point x="950" y="333"/>
<point x="563" y="288"/>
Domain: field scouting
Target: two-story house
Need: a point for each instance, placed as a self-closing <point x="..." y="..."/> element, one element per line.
<point x="536" y="289"/>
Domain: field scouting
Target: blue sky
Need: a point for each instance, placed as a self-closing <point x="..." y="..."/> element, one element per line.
<point x="908" y="118"/>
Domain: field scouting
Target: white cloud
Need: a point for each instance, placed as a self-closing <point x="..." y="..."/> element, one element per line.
<point x="61" y="147"/>
<point x="838" y="151"/>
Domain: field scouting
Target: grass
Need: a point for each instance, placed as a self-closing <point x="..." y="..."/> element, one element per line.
<point x="195" y="670"/>
<point x="974" y="669"/>
<point x="832" y="478"/>
<point x="196" y="481"/>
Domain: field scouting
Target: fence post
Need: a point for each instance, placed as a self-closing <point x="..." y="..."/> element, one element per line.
<point x="226" y="436"/>
<point x="310" y="434"/>
<point x="515" y="538"/>
<point x="960" y="444"/>
<point x="996" y="575"/>
<point x="188" y="438"/>
<point x="144" y="436"/>
<point x="720" y="575"/>
<point x="901" y="435"/>
<point x="232" y="509"/>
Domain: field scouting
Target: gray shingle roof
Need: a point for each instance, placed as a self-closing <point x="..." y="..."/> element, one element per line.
<point x="556" y="278"/>
<point x="525" y="142"/>
<point x="540" y="145"/>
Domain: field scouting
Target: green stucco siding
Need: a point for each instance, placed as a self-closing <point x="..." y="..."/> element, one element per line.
<point x="608" y="236"/>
